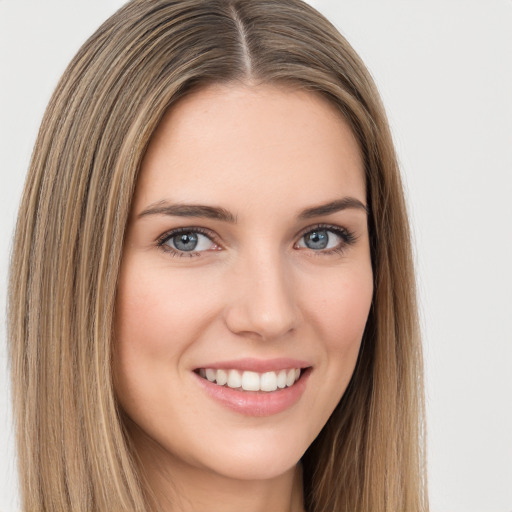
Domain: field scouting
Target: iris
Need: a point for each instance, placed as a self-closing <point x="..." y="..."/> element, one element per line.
<point x="185" y="241"/>
<point x="316" y="239"/>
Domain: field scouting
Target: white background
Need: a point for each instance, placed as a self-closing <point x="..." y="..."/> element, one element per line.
<point x="444" y="68"/>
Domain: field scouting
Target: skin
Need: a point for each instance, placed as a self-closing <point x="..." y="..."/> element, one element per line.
<point x="265" y="154"/>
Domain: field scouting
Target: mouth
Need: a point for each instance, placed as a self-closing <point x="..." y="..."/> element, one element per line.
<point x="251" y="381"/>
<point x="255" y="387"/>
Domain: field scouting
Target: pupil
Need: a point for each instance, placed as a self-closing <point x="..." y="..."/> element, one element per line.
<point x="185" y="241"/>
<point x="317" y="240"/>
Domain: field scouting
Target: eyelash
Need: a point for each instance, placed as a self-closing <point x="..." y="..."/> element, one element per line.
<point x="348" y="238"/>
<point x="161" y="241"/>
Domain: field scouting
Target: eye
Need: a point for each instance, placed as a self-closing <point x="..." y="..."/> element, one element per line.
<point x="183" y="241"/>
<point x="327" y="239"/>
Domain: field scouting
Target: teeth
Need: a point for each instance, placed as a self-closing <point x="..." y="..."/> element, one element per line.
<point x="234" y="379"/>
<point x="268" y="381"/>
<point x="252" y="381"/>
<point x="222" y="377"/>
<point x="281" y="379"/>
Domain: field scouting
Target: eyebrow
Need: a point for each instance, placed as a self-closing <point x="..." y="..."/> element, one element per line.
<point x="333" y="207"/>
<point x="217" y="213"/>
<point x="189" y="210"/>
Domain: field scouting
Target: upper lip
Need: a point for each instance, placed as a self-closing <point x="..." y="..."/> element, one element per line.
<point x="257" y="365"/>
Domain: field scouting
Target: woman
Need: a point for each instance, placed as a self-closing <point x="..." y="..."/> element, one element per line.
<point x="212" y="297"/>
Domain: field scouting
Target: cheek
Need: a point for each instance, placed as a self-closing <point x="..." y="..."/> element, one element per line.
<point x="158" y="310"/>
<point x="338" y="306"/>
<point x="142" y="319"/>
<point x="340" y="315"/>
<point x="341" y="308"/>
<point x="156" y="321"/>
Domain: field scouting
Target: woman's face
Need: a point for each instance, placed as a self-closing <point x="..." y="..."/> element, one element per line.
<point x="246" y="263"/>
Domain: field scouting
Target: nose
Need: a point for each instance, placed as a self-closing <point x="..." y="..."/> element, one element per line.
<point x="261" y="300"/>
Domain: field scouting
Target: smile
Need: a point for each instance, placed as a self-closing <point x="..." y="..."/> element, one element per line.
<point x="250" y="380"/>
<point x="255" y="387"/>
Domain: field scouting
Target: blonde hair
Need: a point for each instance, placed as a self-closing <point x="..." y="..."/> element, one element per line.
<point x="73" y="449"/>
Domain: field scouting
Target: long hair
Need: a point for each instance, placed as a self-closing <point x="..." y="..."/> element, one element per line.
<point x="73" y="449"/>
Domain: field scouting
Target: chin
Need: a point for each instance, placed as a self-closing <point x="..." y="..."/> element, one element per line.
<point x="254" y="468"/>
<point x="258" y="457"/>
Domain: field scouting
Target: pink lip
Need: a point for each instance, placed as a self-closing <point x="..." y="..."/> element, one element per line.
<point x="256" y="403"/>
<point x="258" y="365"/>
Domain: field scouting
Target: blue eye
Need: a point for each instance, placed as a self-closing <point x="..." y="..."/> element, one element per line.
<point x="185" y="241"/>
<point x="317" y="239"/>
<point x="325" y="239"/>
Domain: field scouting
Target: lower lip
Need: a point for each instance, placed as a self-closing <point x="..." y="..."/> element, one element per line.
<point x="256" y="403"/>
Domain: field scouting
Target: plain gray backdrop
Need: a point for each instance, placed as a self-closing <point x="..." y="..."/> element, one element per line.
<point x="444" y="69"/>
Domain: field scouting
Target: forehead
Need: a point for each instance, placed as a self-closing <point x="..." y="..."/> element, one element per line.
<point x="251" y="142"/>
